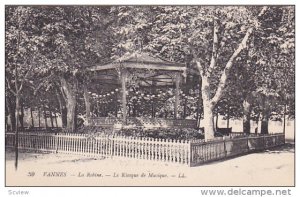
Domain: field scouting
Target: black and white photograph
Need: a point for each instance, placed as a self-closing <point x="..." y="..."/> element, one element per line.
<point x="149" y="95"/>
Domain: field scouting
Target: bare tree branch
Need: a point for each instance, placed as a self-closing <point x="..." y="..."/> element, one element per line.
<point x="200" y="68"/>
<point x="9" y="87"/>
<point x="229" y="64"/>
<point x="263" y="11"/>
<point x="213" y="59"/>
<point x="63" y="94"/>
<point x="65" y="88"/>
<point x="25" y="77"/>
<point x="43" y="83"/>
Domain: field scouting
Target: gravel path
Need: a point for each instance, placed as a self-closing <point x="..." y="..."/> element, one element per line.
<point x="270" y="168"/>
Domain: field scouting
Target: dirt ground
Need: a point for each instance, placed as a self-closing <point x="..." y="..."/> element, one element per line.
<point x="270" y="168"/>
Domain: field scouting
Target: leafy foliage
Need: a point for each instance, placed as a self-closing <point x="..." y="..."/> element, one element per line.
<point x="44" y="43"/>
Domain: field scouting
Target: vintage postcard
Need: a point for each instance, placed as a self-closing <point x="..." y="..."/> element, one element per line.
<point x="150" y="95"/>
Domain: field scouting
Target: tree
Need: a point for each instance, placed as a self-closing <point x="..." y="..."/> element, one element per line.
<point x="74" y="39"/>
<point x="50" y="41"/>
<point x="217" y="18"/>
<point x="21" y="43"/>
<point x="273" y="57"/>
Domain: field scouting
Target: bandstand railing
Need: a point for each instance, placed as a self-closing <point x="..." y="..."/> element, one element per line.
<point x="145" y="122"/>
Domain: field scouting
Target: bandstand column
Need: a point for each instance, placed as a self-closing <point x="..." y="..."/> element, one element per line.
<point x="124" y="101"/>
<point x="177" y="89"/>
<point x="152" y="100"/>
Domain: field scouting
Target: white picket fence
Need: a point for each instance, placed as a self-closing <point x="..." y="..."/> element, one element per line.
<point x="192" y="153"/>
<point x="203" y="152"/>
<point x="104" y="146"/>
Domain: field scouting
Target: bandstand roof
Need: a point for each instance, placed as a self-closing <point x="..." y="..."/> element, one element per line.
<point x="141" y="61"/>
<point x="148" y="69"/>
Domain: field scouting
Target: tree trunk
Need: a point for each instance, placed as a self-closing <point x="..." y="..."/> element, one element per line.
<point x="199" y="120"/>
<point x="257" y="122"/>
<point x="87" y="104"/>
<point x="228" y="121"/>
<point x="217" y="120"/>
<point x="284" y="118"/>
<point x="17" y="130"/>
<point x="55" y="117"/>
<point x="208" y="117"/>
<point x="198" y="114"/>
<point x="265" y="124"/>
<point x="45" y="117"/>
<point x="71" y="109"/>
<point x="129" y="110"/>
<point x="6" y="118"/>
<point x="63" y="110"/>
<point x="76" y="119"/>
<point x="64" y="117"/>
<point x="12" y="112"/>
<point x="21" y="118"/>
<point x="228" y="115"/>
<point x="246" y="116"/>
<point x="31" y="116"/>
<point x="39" y="114"/>
<point x="70" y="97"/>
<point x="208" y="121"/>
<point x="51" y="118"/>
<point x="265" y="115"/>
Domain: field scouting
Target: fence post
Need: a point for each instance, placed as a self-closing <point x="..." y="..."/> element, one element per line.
<point x="248" y="148"/>
<point x="190" y="153"/>
<point x="56" y="142"/>
<point x="225" y="151"/>
<point x="112" y="146"/>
